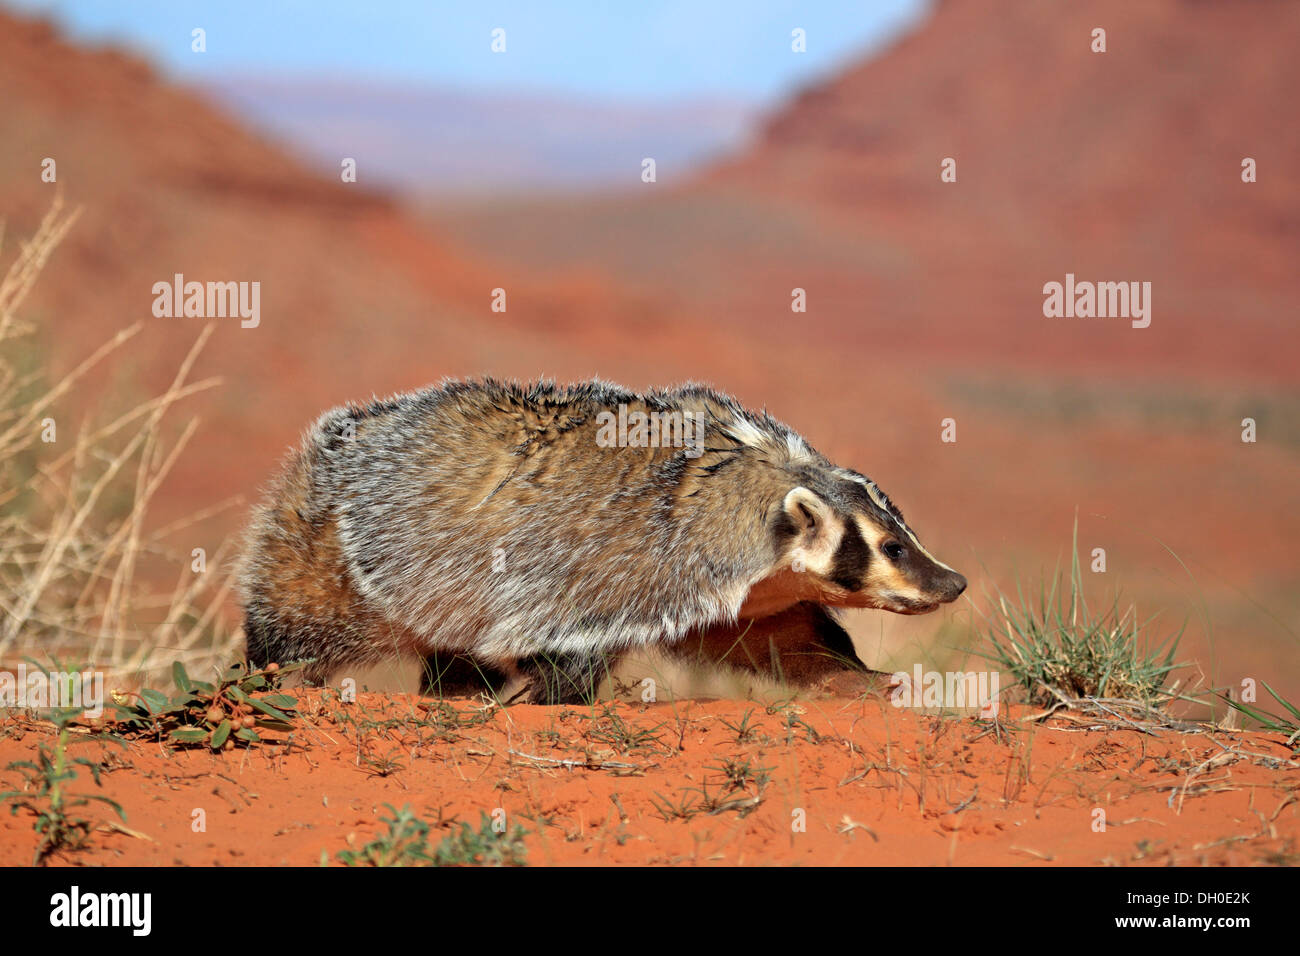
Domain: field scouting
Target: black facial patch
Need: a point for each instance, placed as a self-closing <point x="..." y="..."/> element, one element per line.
<point x="852" y="559"/>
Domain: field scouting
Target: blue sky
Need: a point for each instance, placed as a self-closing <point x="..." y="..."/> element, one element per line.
<point x="655" y="51"/>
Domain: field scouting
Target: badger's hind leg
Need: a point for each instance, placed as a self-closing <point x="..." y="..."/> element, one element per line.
<point x="448" y="674"/>
<point x="559" y="678"/>
<point x="543" y="679"/>
<point x="270" y="640"/>
<point x="331" y="646"/>
<point x="300" y="601"/>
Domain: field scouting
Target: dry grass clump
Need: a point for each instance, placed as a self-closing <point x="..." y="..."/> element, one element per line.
<point x="84" y="582"/>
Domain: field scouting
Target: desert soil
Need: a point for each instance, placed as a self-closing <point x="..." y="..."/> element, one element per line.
<point x="870" y="783"/>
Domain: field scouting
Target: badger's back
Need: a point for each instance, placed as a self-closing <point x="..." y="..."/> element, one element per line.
<point x="488" y="518"/>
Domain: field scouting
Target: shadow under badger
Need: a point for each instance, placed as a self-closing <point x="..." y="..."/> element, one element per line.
<point x="539" y="531"/>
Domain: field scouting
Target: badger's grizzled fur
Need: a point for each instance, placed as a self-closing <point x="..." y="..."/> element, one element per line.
<point x="540" y="530"/>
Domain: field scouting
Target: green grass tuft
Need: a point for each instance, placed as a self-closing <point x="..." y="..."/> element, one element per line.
<point x="1058" y="648"/>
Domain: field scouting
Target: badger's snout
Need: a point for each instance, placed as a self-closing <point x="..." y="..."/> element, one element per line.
<point x="943" y="587"/>
<point x="951" y="587"/>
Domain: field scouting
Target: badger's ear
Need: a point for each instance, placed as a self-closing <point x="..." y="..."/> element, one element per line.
<point x="816" y="531"/>
<point x="808" y="512"/>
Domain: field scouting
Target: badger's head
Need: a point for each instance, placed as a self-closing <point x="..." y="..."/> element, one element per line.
<point x="840" y="541"/>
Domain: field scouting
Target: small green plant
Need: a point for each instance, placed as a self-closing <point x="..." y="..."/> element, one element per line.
<point x="613" y="731"/>
<point x="792" y="719"/>
<point x="705" y="798"/>
<point x="739" y="774"/>
<point x="683" y="808"/>
<point x="47" y="797"/>
<point x="1059" y="648"/>
<point x="385" y="766"/>
<point x="407" y="844"/>
<point x="426" y="722"/>
<point x="465" y="846"/>
<point x="744" y="728"/>
<point x="211" y="715"/>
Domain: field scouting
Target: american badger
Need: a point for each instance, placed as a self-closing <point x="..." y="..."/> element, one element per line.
<point x="541" y="530"/>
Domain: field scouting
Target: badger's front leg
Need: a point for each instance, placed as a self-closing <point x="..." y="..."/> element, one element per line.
<point x="804" y="645"/>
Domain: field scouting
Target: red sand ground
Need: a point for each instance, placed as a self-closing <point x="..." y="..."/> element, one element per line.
<point x="878" y="785"/>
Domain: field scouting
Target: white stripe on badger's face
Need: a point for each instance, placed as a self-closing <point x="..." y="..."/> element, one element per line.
<point x="920" y="547"/>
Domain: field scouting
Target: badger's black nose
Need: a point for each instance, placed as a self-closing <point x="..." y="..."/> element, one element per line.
<point x="956" y="585"/>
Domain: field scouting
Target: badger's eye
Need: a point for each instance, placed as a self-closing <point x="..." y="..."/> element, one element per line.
<point x="893" y="550"/>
